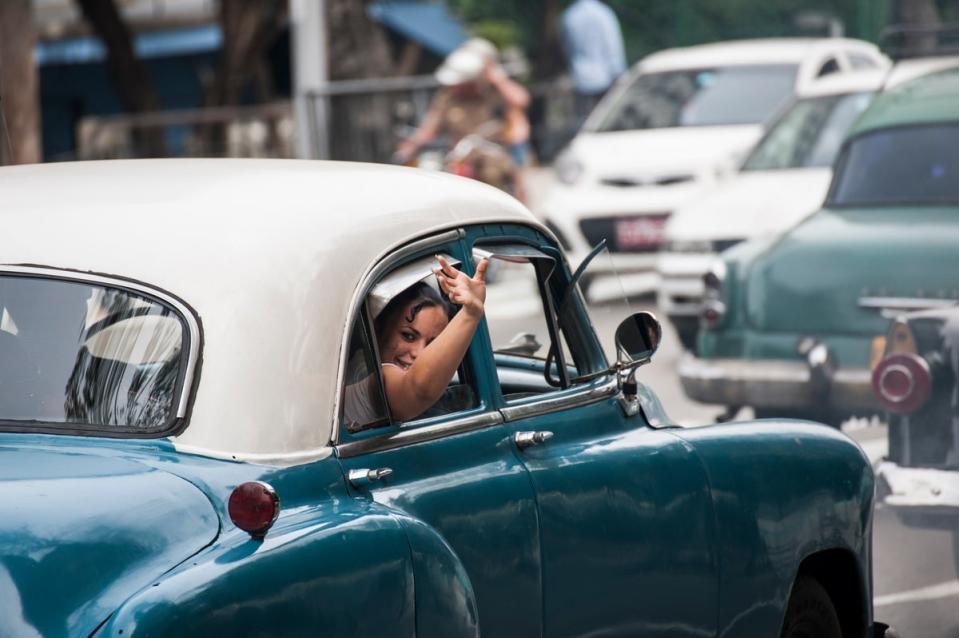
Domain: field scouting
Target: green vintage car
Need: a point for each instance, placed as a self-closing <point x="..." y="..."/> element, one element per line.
<point x="792" y="326"/>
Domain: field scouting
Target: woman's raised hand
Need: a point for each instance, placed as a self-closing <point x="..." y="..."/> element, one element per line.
<point x="468" y="292"/>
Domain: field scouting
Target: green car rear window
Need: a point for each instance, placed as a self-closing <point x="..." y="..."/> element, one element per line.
<point x="907" y="165"/>
<point x="77" y="356"/>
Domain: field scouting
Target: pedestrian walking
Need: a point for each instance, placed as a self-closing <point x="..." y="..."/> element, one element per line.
<point x="593" y="43"/>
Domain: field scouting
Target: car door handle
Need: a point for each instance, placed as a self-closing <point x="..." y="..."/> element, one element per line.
<point x="364" y="476"/>
<point x="524" y="440"/>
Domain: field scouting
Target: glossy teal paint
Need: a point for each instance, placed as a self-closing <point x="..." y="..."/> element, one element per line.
<point x="782" y="491"/>
<point x="624" y="514"/>
<point x="476" y="494"/>
<point x="811" y="282"/>
<point x="79" y="532"/>
<point x="445" y="602"/>
<point x="628" y="532"/>
<point x="115" y="529"/>
<point x="338" y="568"/>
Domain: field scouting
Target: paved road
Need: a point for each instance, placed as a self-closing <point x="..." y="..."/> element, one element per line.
<point x="915" y="577"/>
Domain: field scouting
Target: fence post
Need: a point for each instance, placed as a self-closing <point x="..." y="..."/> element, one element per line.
<point x="310" y="76"/>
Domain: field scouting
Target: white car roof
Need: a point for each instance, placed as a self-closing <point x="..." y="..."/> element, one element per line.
<point x="876" y="79"/>
<point x="734" y="52"/>
<point x="841" y="83"/>
<point x="269" y="253"/>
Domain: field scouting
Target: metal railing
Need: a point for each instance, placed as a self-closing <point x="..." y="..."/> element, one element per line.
<point x="263" y="130"/>
<point x="365" y="119"/>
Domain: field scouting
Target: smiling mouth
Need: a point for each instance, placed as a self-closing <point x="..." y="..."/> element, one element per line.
<point x="403" y="364"/>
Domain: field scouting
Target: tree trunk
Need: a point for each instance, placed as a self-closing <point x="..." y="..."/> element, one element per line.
<point x="130" y="77"/>
<point x="550" y="60"/>
<point x="361" y="125"/>
<point x="19" y="87"/>
<point x="249" y="29"/>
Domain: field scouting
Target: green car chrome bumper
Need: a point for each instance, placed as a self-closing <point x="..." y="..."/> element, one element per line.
<point x="769" y="383"/>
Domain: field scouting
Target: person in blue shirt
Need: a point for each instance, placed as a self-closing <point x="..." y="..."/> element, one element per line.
<point x="593" y="44"/>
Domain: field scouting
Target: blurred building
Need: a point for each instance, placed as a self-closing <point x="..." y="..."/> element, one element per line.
<point x="181" y="42"/>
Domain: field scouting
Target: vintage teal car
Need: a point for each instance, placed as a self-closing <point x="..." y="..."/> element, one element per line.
<point x="792" y="326"/>
<point x="178" y="457"/>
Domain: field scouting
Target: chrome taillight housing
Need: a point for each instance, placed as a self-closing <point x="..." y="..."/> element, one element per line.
<point x="902" y="382"/>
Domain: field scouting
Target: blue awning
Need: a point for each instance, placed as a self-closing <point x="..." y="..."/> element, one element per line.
<point x="428" y="23"/>
<point x="157" y="44"/>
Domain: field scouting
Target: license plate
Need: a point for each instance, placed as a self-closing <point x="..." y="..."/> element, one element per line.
<point x="639" y="232"/>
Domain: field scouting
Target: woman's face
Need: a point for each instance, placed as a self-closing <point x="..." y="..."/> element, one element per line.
<point x="404" y="340"/>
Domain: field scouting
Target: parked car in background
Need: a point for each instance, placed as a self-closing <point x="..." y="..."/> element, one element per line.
<point x="783" y="180"/>
<point x="201" y="446"/>
<point x="917" y="384"/>
<point x="790" y="325"/>
<point x="674" y="125"/>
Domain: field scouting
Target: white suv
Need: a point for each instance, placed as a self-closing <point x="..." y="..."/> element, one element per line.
<point x="673" y="125"/>
<point x="784" y="179"/>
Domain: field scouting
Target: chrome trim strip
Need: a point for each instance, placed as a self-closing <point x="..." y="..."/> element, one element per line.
<point x="554" y="403"/>
<point x="415" y="435"/>
<point x="185" y="313"/>
<point x="905" y="303"/>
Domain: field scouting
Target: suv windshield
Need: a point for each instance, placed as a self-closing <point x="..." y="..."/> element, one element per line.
<point x="906" y="165"/>
<point x="86" y="356"/>
<point x="809" y="134"/>
<point x="747" y="94"/>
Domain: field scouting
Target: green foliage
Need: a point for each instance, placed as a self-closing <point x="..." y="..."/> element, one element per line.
<point x="502" y="33"/>
<point x="650" y="25"/>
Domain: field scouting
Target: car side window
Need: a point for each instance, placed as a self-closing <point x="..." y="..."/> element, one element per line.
<point x="861" y="60"/>
<point x="79" y="356"/>
<point x="404" y="311"/>
<point x="529" y="338"/>
<point x="829" y="66"/>
<point x="364" y="403"/>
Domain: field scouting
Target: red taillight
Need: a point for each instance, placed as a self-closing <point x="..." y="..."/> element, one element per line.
<point x="902" y="382"/>
<point x="712" y="313"/>
<point x="254" y="507"/>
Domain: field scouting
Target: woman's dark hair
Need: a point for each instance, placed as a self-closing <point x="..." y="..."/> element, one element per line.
<point x="422" y="295"/>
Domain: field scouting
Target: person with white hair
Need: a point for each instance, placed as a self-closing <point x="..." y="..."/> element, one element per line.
<point x="476" y="92"/>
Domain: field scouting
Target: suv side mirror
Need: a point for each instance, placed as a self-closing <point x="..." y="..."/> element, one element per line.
<point x="638" y="337"/>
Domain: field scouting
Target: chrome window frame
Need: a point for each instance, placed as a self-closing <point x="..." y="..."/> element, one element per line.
<point x="561" y="400"/>
<point x="186" y="315"/>
<point x="411" y="436"/>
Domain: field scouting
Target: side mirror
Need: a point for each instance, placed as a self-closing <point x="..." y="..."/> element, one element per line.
<point x="638" y="337"/>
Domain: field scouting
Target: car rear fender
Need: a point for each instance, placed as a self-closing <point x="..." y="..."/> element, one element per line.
<point x="341" y="567"/>
<point x="783" y="491"/>
<point x="445" y="602"/>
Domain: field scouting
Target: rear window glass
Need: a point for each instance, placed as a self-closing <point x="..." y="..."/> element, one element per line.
<point x="909" y="165"/>
<point x="87" y="356"/>
<point x="702" y="97"/>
